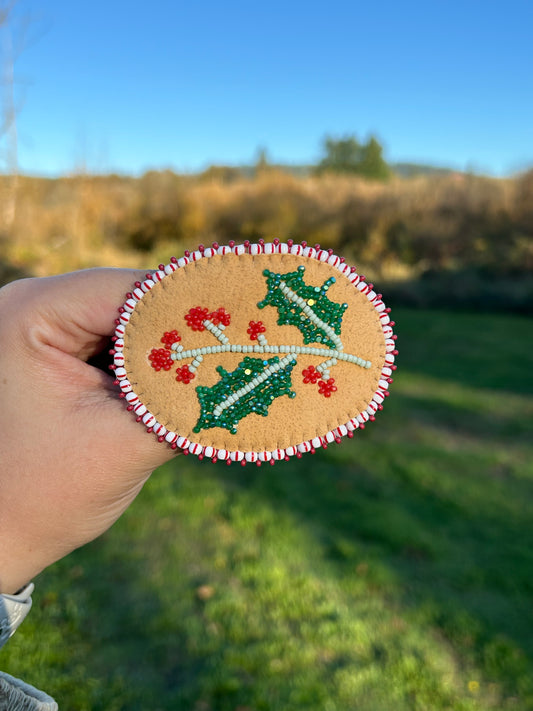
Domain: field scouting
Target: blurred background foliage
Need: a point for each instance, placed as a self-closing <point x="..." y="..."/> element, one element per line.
<point x="435" y="238"/>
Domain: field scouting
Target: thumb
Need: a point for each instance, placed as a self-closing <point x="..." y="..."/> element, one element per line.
<point x="76" y="312"/>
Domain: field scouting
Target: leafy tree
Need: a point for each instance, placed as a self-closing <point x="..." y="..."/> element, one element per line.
<point x="347" y="155"/>
<point x="372" y="163"/>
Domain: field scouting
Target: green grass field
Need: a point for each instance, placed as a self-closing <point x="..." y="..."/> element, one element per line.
<point x="391" y="572"/>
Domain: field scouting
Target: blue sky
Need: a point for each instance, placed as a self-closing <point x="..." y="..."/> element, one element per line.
<point x="128" y="86"/>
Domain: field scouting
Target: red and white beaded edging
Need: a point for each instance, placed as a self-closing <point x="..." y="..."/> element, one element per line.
<point x="175" y="440"/>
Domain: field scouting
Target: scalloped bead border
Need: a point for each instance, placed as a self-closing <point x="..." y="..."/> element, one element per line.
<point x="177" y="441"/>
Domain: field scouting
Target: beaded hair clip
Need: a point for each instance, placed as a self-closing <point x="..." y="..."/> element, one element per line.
<point x="254" y="352"/>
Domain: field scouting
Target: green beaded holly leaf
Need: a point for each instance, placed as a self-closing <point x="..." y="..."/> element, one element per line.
<point x="251" y="387"/>
<point x="306" y="307"/>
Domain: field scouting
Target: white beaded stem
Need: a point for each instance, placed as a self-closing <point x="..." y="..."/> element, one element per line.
<point x="237" y="348"/>
<point x="332" y="356"/>
<point x="216" y="331"/>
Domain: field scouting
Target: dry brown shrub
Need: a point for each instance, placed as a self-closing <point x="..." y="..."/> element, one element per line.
<point x="400" y="229"/>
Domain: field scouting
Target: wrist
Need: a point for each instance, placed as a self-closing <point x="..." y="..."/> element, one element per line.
<point x="15" y="582"/>
<point x="14" y="573"/>
<point x="18" y="565"/>
<point x="8" y="590"/>
<point x="22" y="554"/>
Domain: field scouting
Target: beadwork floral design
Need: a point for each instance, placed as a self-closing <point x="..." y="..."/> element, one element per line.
<point x="259" y="380"/>
<point x="170" y="337"/>
<point x="184" y="374"/>
<point x="254" y="329"/>
<point x="160" y="359"/>
<point x="306" y="307"/>
<point x="251" y="387"/>
<point x="195" y="318"/>
<point x="220" y="316"/>
<point x="221" y="446"/>
<point x="310" y="374"/>
<point x="326" y="387"/>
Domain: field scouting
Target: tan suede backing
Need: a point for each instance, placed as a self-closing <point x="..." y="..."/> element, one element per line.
<point x="237" y="283"/>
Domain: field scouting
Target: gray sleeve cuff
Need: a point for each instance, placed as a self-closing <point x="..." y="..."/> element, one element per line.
<point x="15" y="695"/>
<point x="13" y="610"/>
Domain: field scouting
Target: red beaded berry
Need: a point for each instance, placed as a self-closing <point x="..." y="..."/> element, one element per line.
<point x="195" y="318"/>
<point x="184" y="375"/>
<point x="220" y="316"/>
<point x="311" y="375"/>
<point x="170" y="337"/>
<point x="326" y="387"/>
<point x="255" y="328"/>
<point x="160" y="359"/>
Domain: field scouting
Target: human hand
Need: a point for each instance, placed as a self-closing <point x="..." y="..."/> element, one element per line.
<point x="71" y="459"/>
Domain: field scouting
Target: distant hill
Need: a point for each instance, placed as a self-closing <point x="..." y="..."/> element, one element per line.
<point x="404" y="170"/>
<point x="410" y="170"/>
